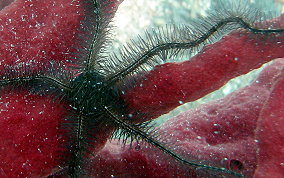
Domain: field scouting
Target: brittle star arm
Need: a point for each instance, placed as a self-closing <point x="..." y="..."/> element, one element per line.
<point x="146" y="137"/>
<point x="54" y="81"/>
<point x="99" y="25"/>
<point x="176" y="45"/>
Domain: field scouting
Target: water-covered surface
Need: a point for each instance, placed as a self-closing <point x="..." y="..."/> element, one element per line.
<point x="219" y="133"/>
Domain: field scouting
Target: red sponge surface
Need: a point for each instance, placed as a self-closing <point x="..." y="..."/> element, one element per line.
<point x="270" y="133"/>
<point x="33" y="31"/>
<point x="37" y="32"/>
<point x="29" y="141"/>
<point x="241" y="132"/>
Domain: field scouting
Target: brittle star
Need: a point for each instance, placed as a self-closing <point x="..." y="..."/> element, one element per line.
<point x="93" y="91"/>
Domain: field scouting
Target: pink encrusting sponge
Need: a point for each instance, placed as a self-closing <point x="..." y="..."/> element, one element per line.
<point x="39" y="33"/>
